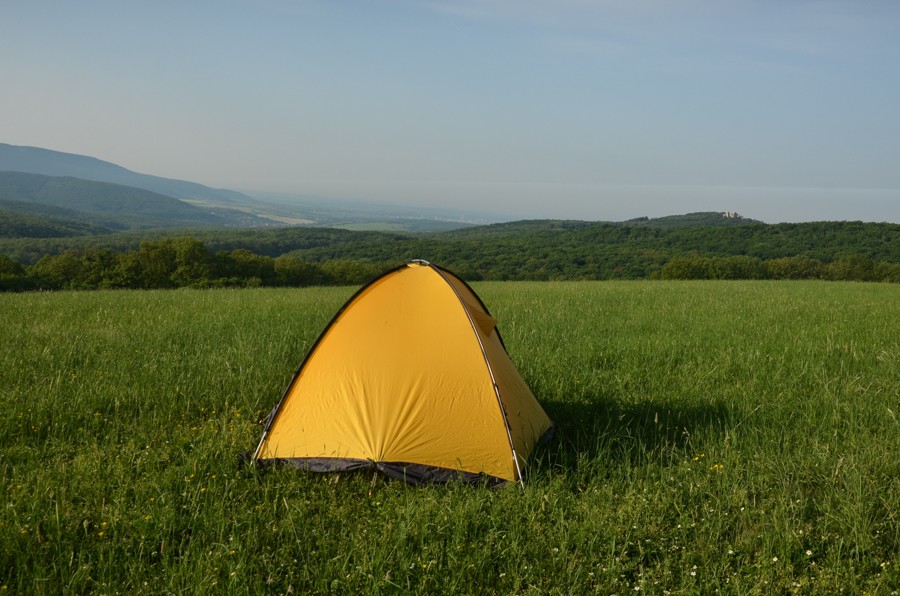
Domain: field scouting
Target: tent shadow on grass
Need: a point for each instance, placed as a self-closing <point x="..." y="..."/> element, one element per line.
<point x="600" y="429"/>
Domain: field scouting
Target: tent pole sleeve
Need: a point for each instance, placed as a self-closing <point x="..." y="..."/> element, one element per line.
<point x="259" y="447"/>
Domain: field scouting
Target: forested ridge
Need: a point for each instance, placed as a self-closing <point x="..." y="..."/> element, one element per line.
<point x="526" y="250"/>
<point x="54" y="204"/>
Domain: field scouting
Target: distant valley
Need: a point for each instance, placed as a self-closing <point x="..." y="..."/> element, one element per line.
<point x="53" y="194"/>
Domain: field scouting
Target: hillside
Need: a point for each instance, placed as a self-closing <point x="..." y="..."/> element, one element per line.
<point x="534" y="250"/>
<point x="705" y="219"/>
<point x="35" y="160"/>
<point x="105" y="205"/>
<point x="20" y="222"/>
<point x="585" y="250"/>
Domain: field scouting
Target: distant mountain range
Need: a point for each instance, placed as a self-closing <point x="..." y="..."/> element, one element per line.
<point x="34" y="160"/>
<point x="73" y="206"/>
<point x="46" y="193"/>
<point x="74" y="202"/>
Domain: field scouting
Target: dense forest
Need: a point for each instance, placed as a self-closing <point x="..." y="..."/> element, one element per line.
<point x="527" y="250"/>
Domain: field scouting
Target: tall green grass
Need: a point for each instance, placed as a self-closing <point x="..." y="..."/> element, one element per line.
<point x="740" y="436"/>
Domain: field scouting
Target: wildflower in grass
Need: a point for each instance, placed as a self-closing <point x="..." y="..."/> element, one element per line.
<point x="774" y="559"/>
<point x="808" y="553"/>
<point x="717" y="468"/>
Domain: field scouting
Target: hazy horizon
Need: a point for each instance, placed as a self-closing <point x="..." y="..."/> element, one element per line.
<point x="602" y="110"/>
<point x="623" y="202"/>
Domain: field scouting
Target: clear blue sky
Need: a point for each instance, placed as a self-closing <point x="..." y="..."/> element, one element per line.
<point x="782" y="110"/>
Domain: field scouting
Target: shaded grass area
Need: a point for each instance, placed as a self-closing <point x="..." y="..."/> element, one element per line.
<point x="732" y="435"/>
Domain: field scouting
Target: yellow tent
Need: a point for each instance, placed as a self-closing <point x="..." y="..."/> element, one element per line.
<point x="410" y="378"/>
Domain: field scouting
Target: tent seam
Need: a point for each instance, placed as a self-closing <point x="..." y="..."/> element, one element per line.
<point x="487" y="363"/>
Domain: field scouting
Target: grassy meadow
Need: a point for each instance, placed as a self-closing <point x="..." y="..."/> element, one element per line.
<point x="739" y="436"/>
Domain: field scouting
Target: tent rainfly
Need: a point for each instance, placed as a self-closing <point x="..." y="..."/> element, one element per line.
<point x="410" y="378"/>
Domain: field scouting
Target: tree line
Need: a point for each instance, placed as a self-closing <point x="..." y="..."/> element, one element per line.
<point x="851" y="268"/>
<point x="637" y="250"/>
<point x="176" y="263"/>
<point x="187" y="262"/>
